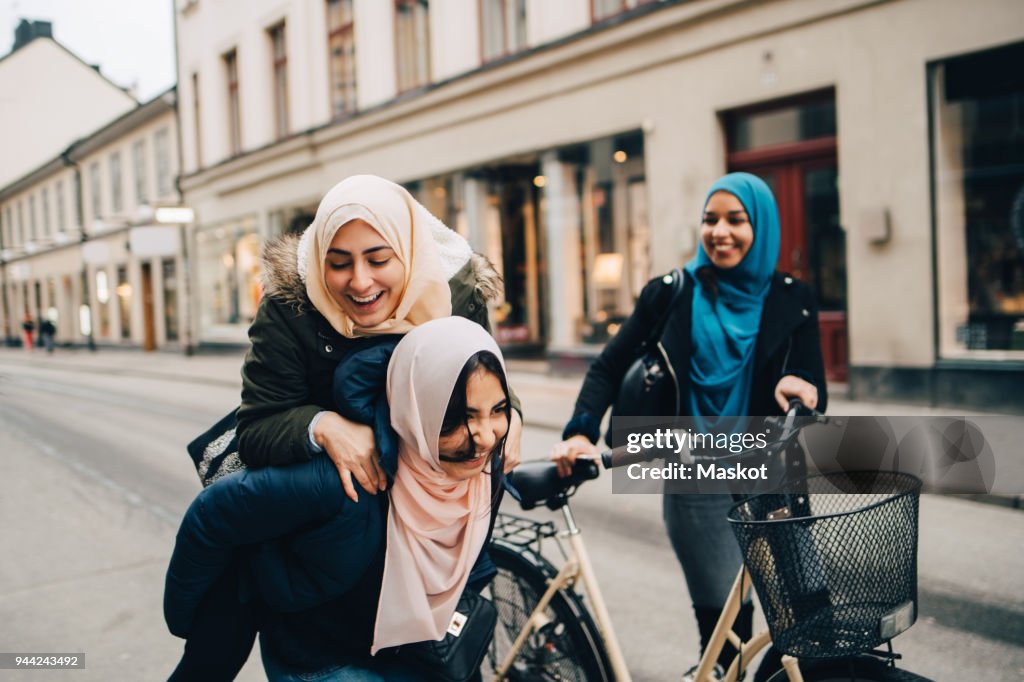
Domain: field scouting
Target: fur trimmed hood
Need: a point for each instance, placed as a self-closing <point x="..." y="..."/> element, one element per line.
<point x="280" y="277"/>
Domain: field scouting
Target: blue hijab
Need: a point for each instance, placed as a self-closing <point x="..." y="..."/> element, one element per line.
<point x="724" y="329"/>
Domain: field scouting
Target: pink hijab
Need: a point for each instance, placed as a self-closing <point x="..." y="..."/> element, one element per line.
<point x="436" y="525"/>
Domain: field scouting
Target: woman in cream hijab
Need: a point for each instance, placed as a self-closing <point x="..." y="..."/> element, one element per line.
<point x="403" y="560"/>
<point x="373" y="262"/>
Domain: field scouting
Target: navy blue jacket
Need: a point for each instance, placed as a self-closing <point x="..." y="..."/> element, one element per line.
<point x="315" y="557"/>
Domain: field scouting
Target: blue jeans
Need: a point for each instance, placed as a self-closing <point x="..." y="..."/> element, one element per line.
<point x="704" y="544"/>
<point x="368" y="670"/>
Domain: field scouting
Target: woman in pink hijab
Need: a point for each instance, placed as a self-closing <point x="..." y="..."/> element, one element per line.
<point x="409" y="554"/>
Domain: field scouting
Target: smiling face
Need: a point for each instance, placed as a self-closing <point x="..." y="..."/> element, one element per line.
<point x="464" y="455"/>
<point x="726" y="232"/>
<point x="363" y="274"/>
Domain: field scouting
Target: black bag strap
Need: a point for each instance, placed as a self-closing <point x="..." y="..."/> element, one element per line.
<point x="659" y="328"/>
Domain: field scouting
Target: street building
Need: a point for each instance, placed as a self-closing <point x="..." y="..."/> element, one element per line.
<point x="39" y="120"/>
<point x="81" y="245"/>
<point x="571" y="142"/>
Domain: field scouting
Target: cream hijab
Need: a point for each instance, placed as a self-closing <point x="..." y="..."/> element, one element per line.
<point x="405" y="226"/>
<point x="436" y="526"/>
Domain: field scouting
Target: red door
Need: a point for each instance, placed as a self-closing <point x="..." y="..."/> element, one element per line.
<point x="803" y="176"/>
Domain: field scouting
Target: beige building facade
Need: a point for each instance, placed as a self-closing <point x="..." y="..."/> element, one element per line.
<point x="39" y="120"/>
<point x="572" y="142"/>
<point x="82" y="245"/>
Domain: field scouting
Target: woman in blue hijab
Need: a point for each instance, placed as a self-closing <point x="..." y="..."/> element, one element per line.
<point x="740" y="339"/>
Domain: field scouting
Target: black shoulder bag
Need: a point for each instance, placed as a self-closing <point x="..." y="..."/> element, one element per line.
<point x="456" y="657"/>
<point x="647" y="388"/>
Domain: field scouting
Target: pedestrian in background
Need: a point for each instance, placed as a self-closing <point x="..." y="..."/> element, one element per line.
<point x="28" y="328"/>
<point x="47" y="332"/>
<point x="741" y="339"/>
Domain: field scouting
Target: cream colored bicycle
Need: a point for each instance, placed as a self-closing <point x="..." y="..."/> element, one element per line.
<point x="827" y="599"/>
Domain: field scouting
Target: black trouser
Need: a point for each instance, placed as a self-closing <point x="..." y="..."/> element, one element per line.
<point x="222" y="634"/>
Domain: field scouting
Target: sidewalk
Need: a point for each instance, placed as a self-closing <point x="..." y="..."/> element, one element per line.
<point x="547" y="400"/>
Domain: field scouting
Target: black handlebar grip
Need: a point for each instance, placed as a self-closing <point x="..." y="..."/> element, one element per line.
<point x="621" y="457"/>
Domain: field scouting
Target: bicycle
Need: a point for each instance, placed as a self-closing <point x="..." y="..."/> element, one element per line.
<point x="545" y="630"/>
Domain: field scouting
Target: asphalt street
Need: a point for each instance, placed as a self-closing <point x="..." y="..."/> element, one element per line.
<point x="95" y="479"/>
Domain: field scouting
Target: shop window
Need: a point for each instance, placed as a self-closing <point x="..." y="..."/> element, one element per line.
<point x="341" y="48"/>
<point x="228" y="269"/>
<point x="412" y="43"/>
<point x="504" y="27"/>
<point x="616" y="235"/>
<point x="977" y="146"/>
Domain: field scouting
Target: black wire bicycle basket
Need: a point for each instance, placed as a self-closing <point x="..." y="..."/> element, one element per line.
<point x="834" y="561"/>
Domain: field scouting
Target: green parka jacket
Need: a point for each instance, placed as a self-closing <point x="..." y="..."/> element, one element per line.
<point x="288" y="372"/>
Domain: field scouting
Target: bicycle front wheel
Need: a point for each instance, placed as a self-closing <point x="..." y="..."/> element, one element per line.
<point x="566" y="647"/>
<point x="862" y="669"/>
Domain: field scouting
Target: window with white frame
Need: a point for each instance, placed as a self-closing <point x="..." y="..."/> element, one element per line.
<point x="46" y="211"/>
<point x="196" y="121"/>
<point x="21" y="223"/>
<point x="341" y="50"/>
<point x="61" y="212"/>
<point x="139" y="170"/>
<point x="504" y="27"/>
<point x="977" y="107"/>
<point x="116" y="195"/>
<point x="8" y="228"/>
<point x="76" y="197"/>
<point x="96" y="190"/>
<point x="234" y="107"/>
<point x="162" y="149"/>
<point x="412" y="37"/>
<point x="279" y="52"/>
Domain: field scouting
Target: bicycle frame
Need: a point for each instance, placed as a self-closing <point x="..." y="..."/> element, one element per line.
<point x="577" y="567"/>
<point x="724" y="633"/>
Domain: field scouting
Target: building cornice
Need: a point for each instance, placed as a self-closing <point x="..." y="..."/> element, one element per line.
<point x="163" y="103"/>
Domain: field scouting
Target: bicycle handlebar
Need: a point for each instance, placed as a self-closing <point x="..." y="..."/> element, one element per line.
<point x="789" y="425"/>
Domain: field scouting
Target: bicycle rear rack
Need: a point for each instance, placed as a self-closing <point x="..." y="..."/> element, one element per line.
<point x="523" y="532"/>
